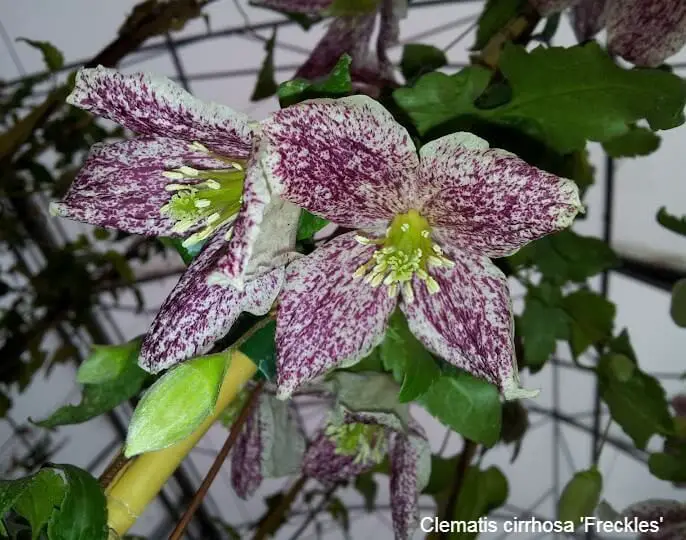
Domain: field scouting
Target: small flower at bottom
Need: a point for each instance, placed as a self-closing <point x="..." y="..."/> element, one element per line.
<point x="189" y="172"/>
<point x="425" y="228"/>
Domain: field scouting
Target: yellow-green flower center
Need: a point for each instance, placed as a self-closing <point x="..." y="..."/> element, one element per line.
<point x="207" y="199"/>
<point x="406" y="250"/>
<point x="366" y="442"/>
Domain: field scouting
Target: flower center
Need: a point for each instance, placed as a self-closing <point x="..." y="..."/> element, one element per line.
<point x="367" y="442"/>
<point x="208" y="198"/>
<point x="406" y="250"/>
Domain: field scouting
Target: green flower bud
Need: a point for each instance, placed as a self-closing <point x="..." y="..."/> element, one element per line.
<point x="176" y="404"/>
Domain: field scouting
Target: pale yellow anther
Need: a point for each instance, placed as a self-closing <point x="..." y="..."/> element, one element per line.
<point x="212" y="184"/>
<point x="173" y="175"/>
<point x="361" y="271"/>
<point x="405" y="227"/>
<point x="437" y="249"/>
<point x="213" y="218"/>
<point x="228" y="234"/>
<point x="393" y="290"/>
<point x="237" y="165"/>
<point x="376" y="281"/>
<point x="202" y="203"/>
<point x="177" y="187"/>
<point x="188" y="171"/>
<point x="362" y="240"/>
<point x="408" y="293"/>
<point x="432" y="285"/>
<point x="427" y="234"/>
<point x="199" y="147"/>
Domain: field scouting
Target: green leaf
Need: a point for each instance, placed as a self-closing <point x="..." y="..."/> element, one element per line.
<point x="514" y="426"/>
<point x="266" y="86"/>
<point x="337" y="84"/>
<point x="636" y="400"/>
<point x="592" y="317"/>
<point x="542" y="323"/>
<point x="108" y="362"/>
<point x="103" y="397"/>
<point x="412" y="365"/>
<point x="668" y="466"/>
<point x="52" y="56"/>
<point x="37" y="504"/>
<point x="566" y="256"/>
<point x="580" y="496"/>
<point x="677" y="306"/>
<point x="481" y="493"/>
<point x="493" y="18"/>
<point x="309" y="224"/>
<point x="350" y="8"/>
<point x="638" y="141"/>
<point x="468" y="405"/>
<point x="419" y="59"/>
<point x="261" y="349"/>
<point x="368" y="488"/>
<point x="561" y="96"/>
<point x="187" y="253"/>
<point x="436" y="98"/>
<point x="83" y="513"/>
<point x="671" y="222"/>
<point x="176" y="404"/>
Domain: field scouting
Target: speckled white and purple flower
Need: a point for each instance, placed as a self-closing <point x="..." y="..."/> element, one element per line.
<point x="189" y="172"/>
<point x="426" y="227"/>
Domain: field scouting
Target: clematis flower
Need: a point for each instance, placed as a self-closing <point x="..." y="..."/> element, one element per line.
<point x="270" y="445"/>
<point x="190" y="172"/>
<point x="426" y="226"/>
<point x="351" y="34"/>
<point x="643" y="32"/>
<point x="668" y="517"/>
<point x="355" y="442"/>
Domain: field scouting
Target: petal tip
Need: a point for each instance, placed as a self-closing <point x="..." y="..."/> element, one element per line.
<point x="512" y="390"/>
<point x="57" y="209"/>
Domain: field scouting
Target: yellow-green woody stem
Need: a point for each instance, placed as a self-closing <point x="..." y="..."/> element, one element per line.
<point x="142" y="478"/>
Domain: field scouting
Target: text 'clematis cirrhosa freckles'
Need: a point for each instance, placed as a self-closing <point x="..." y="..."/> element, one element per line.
<point x="426" y="226"/>
<point x="643" y="32"/>
<point x="190" y="172"/>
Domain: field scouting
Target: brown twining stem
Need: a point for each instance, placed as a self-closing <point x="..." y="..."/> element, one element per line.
<point x="466" y="457"/>
<point x="273" y="520"/>
<point x="112" y="470"/>
<point x="180" y="528"/>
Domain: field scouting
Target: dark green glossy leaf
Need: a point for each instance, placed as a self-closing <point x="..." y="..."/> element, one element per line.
<point x="266" y="86"/>
<point x="309" y="224"/>
<point x="580" y="496"/>
<point x="514" y="426"/>
<point x="638" y="141"/>
<point x="98" y="399"/>
<point x="636" y="400"/>
<point x="38" y="503"/>
<point x="12" y="491"/>
<point x="419" y="59"/>
<point x="542" y="323"/>
<point x="566" y="256"/>
<point x="261" y="349"/>
<point x="337" y="84"/>
<point x="592" y="317"/>
<point x="468" y="405"/>
<point x="677" y="307"/>
<point x="412" y="365"/>
<point x="368" y="488"/>
<point x="669" y="221"/>
<point x="83" y="513"/>
<point x="668" y="466"/>
<point x="52" y="56"/>
<point x="351" y="8"/>
<point x="562" y="96"/>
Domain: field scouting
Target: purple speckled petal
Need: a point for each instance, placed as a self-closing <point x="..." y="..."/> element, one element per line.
<point x="468" y="322"/>
<point x="246" y="463"/>
<point x="326" y="318"/>
<point x="646" y="32"/>
<point x="121" y="185"/>
<point x="152" y="105"/>
<point x="671" y="516"/>
<point x="488" y="200"/>
<point x="247" y="226"/>
<point x="322" y="463"/>
<point x="588" y="18"/>
<point x="548" y="7"/>
<point x="349" y="35"/>
<point x="347" y="160"/>
<point x="312" y="7"/>
<point x="198" y="312"/>
<point x="390" y="13"/>
<point x="404" y="489"/>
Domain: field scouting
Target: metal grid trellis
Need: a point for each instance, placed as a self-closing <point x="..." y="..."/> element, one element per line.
<point x="188" y="477"/>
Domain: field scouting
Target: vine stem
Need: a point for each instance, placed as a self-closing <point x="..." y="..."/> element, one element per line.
<point x="468" y="452"/>
<point x="274" y="517"/>
<point x="180" y="528"/>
